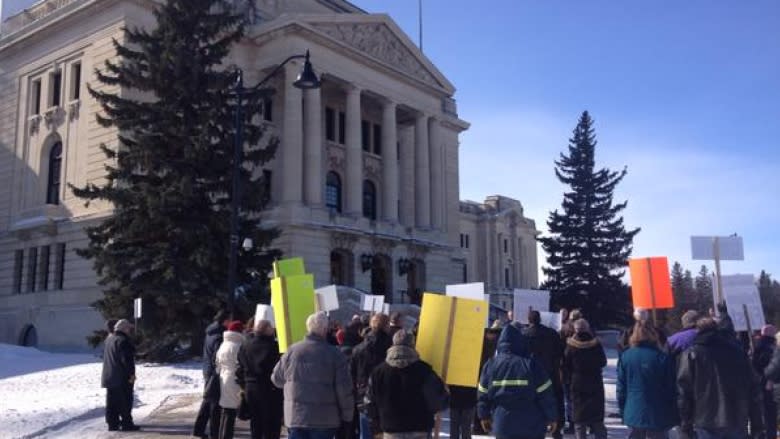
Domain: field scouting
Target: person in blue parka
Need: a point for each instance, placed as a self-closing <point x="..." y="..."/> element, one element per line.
<point x="646" y="386"/>
<point x="515" y="394"/>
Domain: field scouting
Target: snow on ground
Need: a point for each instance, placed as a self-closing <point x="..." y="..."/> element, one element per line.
<point x="58" y="395"/>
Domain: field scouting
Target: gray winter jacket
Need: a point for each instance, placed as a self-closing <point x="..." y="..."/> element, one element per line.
<point x="317" y="385"/>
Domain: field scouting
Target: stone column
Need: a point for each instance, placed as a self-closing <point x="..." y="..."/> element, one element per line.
<point x="292" y="139"/>
<point x="437" y="174"/>
<point x="312" y="136"/>
<point x="422" y="175"/>
<point x="354" y="184"/>
<point x="390" y="161"/>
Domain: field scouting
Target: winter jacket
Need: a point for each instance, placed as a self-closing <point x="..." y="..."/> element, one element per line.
<point x="582" y="363"/>
<point x="317" y="385"/>
<point x="772" y="373"/>
<point x="716" y="386"/>
<point x="681" y="341"/>
<point x="762" y="355"/>
<point x="547" y="348"/>
<point x="225" y="365"/>
<point x="646" y="388"/>
<point x="514" y="389"/>
<point x="118" y="361"/>
<point x="365" y="357"/>
<point x="404" y="393"/>
<point x="463" y="397"/>
<point x="210" y="345"/>
<point x="256" y="360"/>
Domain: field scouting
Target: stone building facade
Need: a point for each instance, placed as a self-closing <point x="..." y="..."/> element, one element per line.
<point x="364" y="185"/>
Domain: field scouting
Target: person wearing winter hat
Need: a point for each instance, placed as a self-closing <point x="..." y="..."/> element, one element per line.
<point x="583" y="360"/>
<point x="684" y="338"/>
<point x="763" y="351"/>
<point x="257" y="357"/>
<point x="226" y="365"/>
<point x="118" y="377"/>
<point x="209" y="411"/>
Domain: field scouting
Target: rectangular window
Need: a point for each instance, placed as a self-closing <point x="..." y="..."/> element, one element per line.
<point x="266" y="186"/>
<point x="506" y="278"/>
<point x="467" y="241"/>
<point x="56" y="88"/>
<point x="465" y="274"/>
<point x="342" y="127"/>
<point x="75" y="81"/>
<point x="35" y="100"/>
<point x="330" y="124"/>
<point x="462" y="241"/>
<point x="268" y="110"/>
<point x="43" y="269"/>
<point x="32" y="266"/>
<point x="59" y="267"/>
<point x="506" y="246"/>
<point x="398" y="151"/>
<point x="18" y="270"/>
<point x="377" y="139"/>
<point x="365" y="135"/>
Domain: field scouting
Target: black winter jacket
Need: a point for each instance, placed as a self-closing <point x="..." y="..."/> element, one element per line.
<point x="366" y="357"/>
<point x="717" y="387"/>
<point x="257" y="357"/>
<point x="118" y="361"/>
<point x="547" y="348"/>
<point x="210" y="346"/>
<point x="772" y="373"/>
<point x="582" y="363"/>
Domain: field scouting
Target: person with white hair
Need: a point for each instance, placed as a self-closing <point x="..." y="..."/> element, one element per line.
<point x="317" y="384"/>
<point x="582" y="363"/>
<point x="118" y="377"/>
<point x="257" y="357"/>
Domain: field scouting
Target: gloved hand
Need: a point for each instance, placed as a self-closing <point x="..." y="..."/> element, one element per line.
<point x="486" y="424"/>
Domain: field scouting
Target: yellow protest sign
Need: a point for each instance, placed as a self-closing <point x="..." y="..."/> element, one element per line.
<point x="450" y="337"/>
<point x="289" y="267"/>
<point x="293" y="301"/>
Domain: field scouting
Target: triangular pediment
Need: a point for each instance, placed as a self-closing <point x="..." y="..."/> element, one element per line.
<point x="378" y="37"/>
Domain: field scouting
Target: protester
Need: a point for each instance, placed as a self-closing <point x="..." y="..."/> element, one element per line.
<point x="646" y="386"/>
<point x="226" y="363"/>
<point x="567" y="328"/>
<point x="118" y="377"/>
<point x="582" y="363"/>
<point x="643" y="316"/>
<point x="762" y="355"/>
<point x="515" y="397"/>
<point x="463" y="406"/>
<point x="567" y="331"/>
<point x="683" y="339"/>
<point x="547" y="348"/>
<point x="257" y="357"/>
<point x="317" y="384"/>
<point x="718" y="393"/>
<point x="209" y="408"/>
<point x="404" y="393"/>
<point x="365" y="357"/>
<point x="352" y="332"/>
<point x="489" y="346"/>
<point x="396" y="323"/>
<point x="772" y="373"/>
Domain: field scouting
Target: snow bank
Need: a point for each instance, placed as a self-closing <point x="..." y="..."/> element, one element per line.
<point x="59" y="395"/>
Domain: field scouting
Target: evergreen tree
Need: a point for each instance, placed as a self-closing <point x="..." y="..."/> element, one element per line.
<point x="703" y="288"/>
<point x="169" y="181"/>
<point x="682" y="299"/>
<point x="588" y="246"/>
<point x="768" y="291"/>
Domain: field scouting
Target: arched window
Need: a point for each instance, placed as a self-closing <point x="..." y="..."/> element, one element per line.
<point x="369" y="200"/>
<point x="55" y="169"/>
<point x="333" y="191"/>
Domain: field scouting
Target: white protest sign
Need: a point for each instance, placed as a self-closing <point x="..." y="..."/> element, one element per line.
<point x="473" y="291"/>
<point x="379" y="303"/>
<point x="373" y="303"/>
<point x="265" y="312"/>
<point x="137" y="308"/>
<point x="729" y="248"/>
<point x="551" y="319"/>
<point x="386" y="309"/>
<point x="327" y="298"/>
<point x="739" y="290"/>
<point x="538" y="300"/>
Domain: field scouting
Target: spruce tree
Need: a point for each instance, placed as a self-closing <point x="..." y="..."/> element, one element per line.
<point x="703" y="287"/>
<point x="767" y="289"/>
<point x="169" y="180"/>
<point x="682" y="298"/>
<point x="588" y="245"/>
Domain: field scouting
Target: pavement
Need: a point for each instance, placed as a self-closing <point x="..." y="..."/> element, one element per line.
<point x="176" y="414"/>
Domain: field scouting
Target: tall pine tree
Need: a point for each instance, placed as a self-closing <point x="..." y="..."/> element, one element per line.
<point x="169" y="180"/>
<point x="588" y="246"/>
<point x="703" y="288"/>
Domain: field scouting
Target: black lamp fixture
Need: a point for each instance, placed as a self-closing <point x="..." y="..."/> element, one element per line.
<point x="366" y="261"/>
<point x="404" y="265"/>
<point x="306" y="80"/>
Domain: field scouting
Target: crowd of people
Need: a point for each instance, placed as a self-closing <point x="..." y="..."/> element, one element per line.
<point x="366" y="379"/>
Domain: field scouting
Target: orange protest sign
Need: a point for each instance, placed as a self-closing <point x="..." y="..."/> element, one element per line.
<point x="651" y="287"/>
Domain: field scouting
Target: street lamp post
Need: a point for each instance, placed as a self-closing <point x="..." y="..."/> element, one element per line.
<point x="307" y="79"/>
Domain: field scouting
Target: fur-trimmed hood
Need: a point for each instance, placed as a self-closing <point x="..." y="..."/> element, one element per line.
<point x="582" y="341"/>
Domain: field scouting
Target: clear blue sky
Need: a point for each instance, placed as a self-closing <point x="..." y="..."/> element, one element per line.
<point x="685" y="94"/>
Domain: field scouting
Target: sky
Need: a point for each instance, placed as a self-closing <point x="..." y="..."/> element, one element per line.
<point x="686" y="95"/>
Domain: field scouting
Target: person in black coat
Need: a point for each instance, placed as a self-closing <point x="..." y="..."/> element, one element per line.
<point x="257" y="357"/>
<point x="209" y="407"/>
<point x="582" y="363"/>
<point x="762" y="356"/>
<point x="463" y="407"/>
<point x="366" y="356"/>
<point x="547" y="348"/>
<point x="118" y="377"/>
<point x="718" y="393"/>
